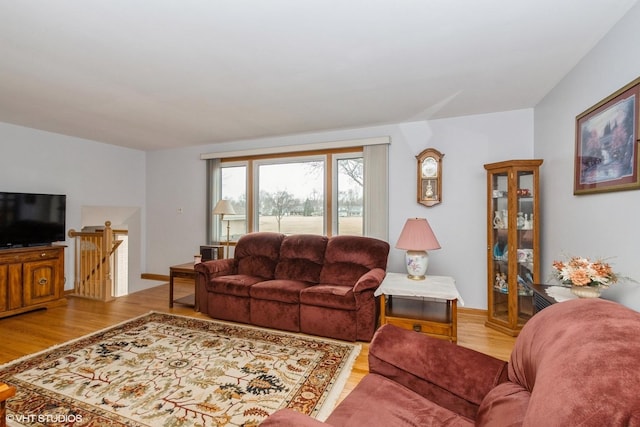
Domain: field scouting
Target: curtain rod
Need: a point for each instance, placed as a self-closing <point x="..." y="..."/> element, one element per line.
<point x="298" y="147"/>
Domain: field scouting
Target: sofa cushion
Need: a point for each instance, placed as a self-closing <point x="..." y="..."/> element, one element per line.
<point x="327" y="295"/>
<point x="380" y="402"/>
<point x="257" y="254"/>
<point x="236" y="284"/>
<point x="505" y="405"/>
<point x="301" y="257"/>
<point x="279" y="290"/>
<point x="349" y="257"/>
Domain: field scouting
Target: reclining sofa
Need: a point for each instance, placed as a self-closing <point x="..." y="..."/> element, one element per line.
<point x="300" y="283"/>
<point x="575" y="363"/>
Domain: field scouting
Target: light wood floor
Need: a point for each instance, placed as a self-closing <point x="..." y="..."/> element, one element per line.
<point x="31" y="332"/>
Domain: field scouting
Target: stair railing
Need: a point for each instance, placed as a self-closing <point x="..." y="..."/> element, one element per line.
<point x="94" y="258"/>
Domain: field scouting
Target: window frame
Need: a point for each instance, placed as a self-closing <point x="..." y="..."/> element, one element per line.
<point x="330" y="158"/>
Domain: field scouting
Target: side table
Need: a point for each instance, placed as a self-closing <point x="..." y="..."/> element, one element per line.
<point x="546" y="295"/>
<point x="540" y="297"/>
<point x="183" y="271"/>
<point x="428" y="306"/>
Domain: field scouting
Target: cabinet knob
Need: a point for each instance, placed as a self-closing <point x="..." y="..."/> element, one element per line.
<point x="43" y="254"/>
<point x="43" y="281"/>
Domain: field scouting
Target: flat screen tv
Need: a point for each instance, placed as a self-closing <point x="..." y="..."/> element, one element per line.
<point x="28" y="219"/>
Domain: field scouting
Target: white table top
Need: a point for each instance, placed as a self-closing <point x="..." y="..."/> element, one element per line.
<point x="441" y="287"/>
<point x="560" y="293"/>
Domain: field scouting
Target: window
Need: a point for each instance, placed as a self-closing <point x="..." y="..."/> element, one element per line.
<point x="290" y="197"/>
<point x="313" y="193"/>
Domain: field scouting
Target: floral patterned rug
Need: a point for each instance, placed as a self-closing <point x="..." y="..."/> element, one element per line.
<point x="167" y="370"/>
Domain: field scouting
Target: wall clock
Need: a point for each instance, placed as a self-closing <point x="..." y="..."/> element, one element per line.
<point x="429" y="177"/>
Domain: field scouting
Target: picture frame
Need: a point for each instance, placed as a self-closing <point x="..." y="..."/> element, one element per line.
<point x="606" y="153"/>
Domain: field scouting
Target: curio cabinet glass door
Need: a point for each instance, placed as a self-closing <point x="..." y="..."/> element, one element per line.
<point x="513" y="246"/>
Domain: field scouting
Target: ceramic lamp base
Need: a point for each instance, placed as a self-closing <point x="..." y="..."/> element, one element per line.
<point x="417" y="263"/>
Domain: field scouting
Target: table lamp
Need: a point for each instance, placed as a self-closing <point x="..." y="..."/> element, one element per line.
<point x="417" y="238"/>
<point x="223" y="207"/>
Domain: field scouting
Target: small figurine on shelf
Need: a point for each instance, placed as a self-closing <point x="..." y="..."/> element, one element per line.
<point x="500" y="251"/>
<point x="497" y="220"/>
<point x="501" y="282"/>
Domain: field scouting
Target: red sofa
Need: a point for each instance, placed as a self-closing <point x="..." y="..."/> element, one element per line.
<point x="576" y="363"/>
<point x="301" y="283"/>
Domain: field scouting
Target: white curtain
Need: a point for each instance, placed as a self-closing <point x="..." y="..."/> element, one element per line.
<point x="214" y="193"/>
<point x="376" y="191"/>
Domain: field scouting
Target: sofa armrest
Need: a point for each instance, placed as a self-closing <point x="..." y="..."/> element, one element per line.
<point x="216" y="267"/>
<point x="370" y="280"/>
<point x="207" y="270"/>
<point x="291" y="418"/>
<point x="454" y="377"/>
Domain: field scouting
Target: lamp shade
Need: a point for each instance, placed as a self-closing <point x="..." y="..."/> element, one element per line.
<point x="417" y="235"/>
<point x="223" y="207"/>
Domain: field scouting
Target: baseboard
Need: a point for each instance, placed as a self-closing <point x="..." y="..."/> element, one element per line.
<point x="472" y="311"/>
<point x="151" y="276"/>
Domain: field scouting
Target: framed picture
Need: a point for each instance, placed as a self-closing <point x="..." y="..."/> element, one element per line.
<point x="607" y="144"/>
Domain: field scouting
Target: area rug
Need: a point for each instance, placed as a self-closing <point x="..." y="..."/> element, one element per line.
<point x="166" y="370"/>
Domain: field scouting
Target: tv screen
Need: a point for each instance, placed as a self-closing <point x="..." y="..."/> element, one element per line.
<point x="28" y="219"/>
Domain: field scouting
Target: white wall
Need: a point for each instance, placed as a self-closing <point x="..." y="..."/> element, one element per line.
<point x="94" y="174"/>
<point x="460" y="220"/>
<point x="88" y="172"/>
<point x="598" y="225"/>
<point x="176" y="179"/>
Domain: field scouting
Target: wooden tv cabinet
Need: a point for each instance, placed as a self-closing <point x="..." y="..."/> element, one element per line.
<point x="31" y="278"/>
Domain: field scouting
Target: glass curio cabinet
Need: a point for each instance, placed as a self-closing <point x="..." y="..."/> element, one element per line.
<point x="513" y="244"/>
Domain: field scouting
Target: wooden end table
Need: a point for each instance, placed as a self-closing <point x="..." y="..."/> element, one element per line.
<point x="183" y="271"/>
<point x="428" y="306"/>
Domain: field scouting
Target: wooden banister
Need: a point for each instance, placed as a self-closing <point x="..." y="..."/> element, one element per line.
<point x="94" y="262"/>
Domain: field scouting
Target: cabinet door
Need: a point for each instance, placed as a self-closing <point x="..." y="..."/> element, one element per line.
<point x="14" y="286"/>
<point x="4" y="287"/>
<point x="499" y="248"/>
<point x="10" y="286"/>
<point x="40" y="281"/>
<point x="526" y="244"/>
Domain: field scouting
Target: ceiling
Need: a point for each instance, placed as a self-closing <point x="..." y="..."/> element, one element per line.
<point x="154" y="74"/>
